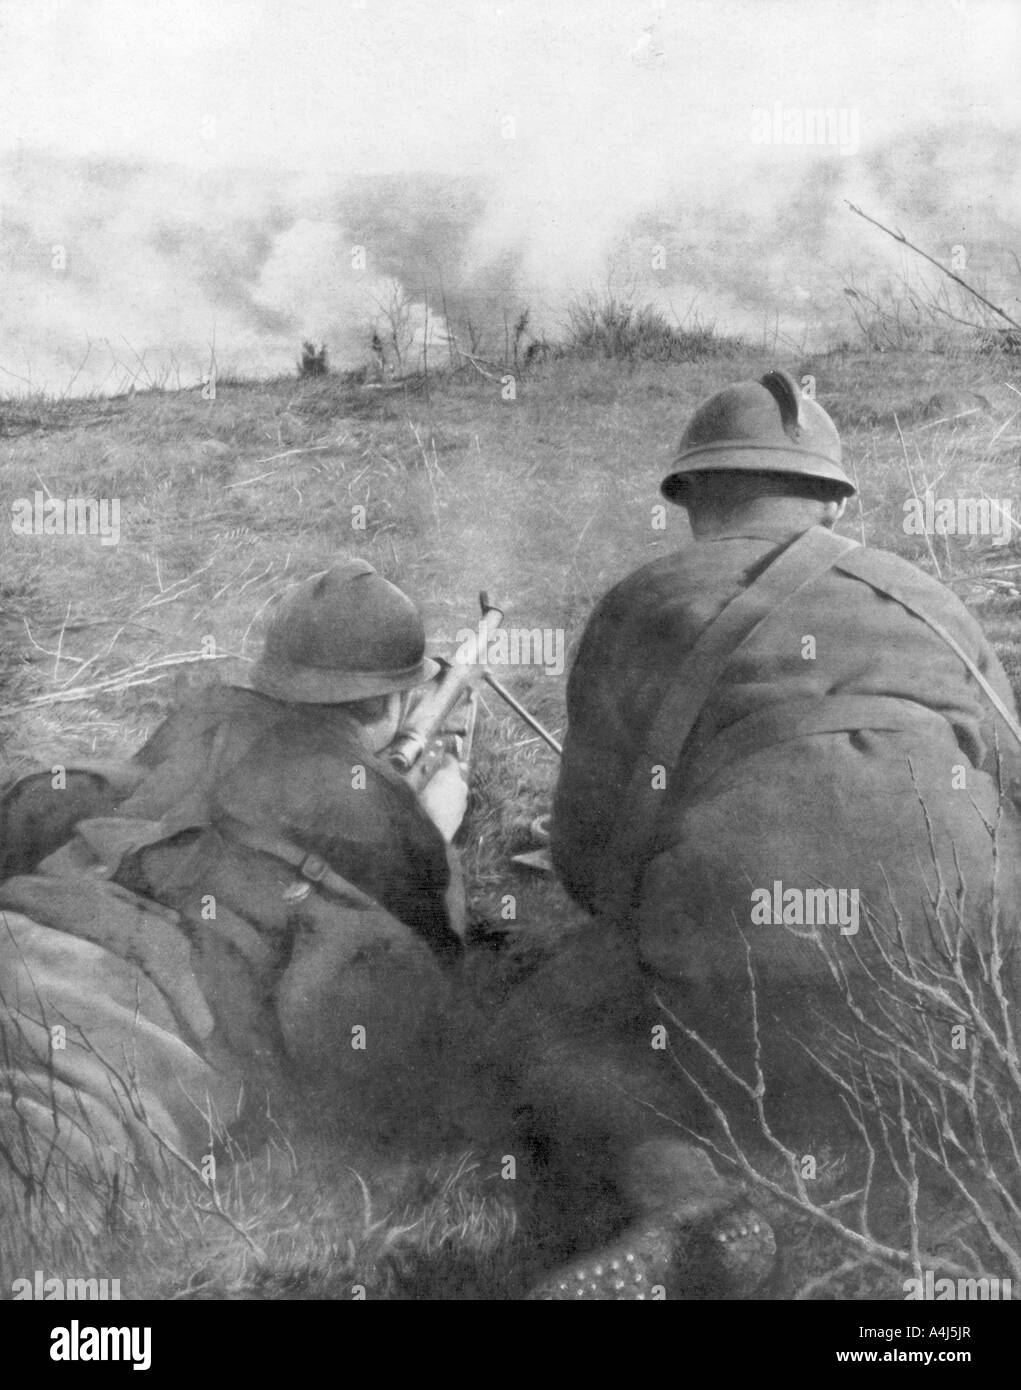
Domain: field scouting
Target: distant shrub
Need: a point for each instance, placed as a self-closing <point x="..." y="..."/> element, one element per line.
<point x="538" y="350"/>
<point x="612" y="327"/>
<point x="313" y="361"/>
<point x="1006" y="340"/>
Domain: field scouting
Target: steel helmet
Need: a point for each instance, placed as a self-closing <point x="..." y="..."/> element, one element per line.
<point x="766" y="426"/>
<point x="348" y="635"/>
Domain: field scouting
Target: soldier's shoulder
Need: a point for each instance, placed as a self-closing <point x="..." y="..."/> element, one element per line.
<point x="194" y="720"/>
<point x="661" y="579"/>
<point x="930" y="598"/>
<point x="306" y="746"/>
<point x="888" y="562"/>
<point x="221" y="700"/>
<point x="887" y="569"/>
<point x="308" y="771"/>
<point x="211" y="704"/>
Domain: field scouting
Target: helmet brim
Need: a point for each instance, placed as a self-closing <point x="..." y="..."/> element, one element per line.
<point x="751" y="458"/>
<point x="305" y="685"/>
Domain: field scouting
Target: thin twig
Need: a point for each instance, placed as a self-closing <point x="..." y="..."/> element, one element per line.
<point x="146" y="674"/>
<point x="899" y="236"/>
<point x="288" y="453"/>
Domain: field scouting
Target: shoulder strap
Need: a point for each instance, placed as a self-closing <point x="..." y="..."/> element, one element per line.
<point x="857" y="567"/>
<point x="798" y="565"/>
<point x="314" y="872"/>
<point x="312" y="869"/>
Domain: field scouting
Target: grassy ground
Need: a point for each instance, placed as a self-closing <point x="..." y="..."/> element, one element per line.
<point x="544" y="501"/>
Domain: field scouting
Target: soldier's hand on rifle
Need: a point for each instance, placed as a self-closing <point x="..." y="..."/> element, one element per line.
<point x="444" y="798"/>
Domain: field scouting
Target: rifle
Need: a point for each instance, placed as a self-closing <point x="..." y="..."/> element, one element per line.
<point x="421" y="741"/>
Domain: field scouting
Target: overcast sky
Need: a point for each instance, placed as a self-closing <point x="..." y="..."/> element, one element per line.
<point x="374" y="85"/>
<point x="573" y="119"/>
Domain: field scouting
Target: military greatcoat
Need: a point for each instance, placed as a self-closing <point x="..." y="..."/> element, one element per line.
<point x="844" y="746"/>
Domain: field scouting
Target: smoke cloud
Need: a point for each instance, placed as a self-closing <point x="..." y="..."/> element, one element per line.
<point x="141" y="269"/>
<point x="669" y="154"/>
<point x="182" y="176"/>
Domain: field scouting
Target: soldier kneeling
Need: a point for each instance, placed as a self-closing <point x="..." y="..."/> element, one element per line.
<point x="789" y="797"/>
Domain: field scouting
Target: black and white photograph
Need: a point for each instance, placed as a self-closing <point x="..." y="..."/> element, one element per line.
<point x="510" y="649"/>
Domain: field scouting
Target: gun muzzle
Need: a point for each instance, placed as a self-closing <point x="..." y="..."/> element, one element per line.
<point x="406" y="749"/>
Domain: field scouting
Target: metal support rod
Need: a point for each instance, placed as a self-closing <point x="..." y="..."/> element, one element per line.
<point x="522" y="713"/>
